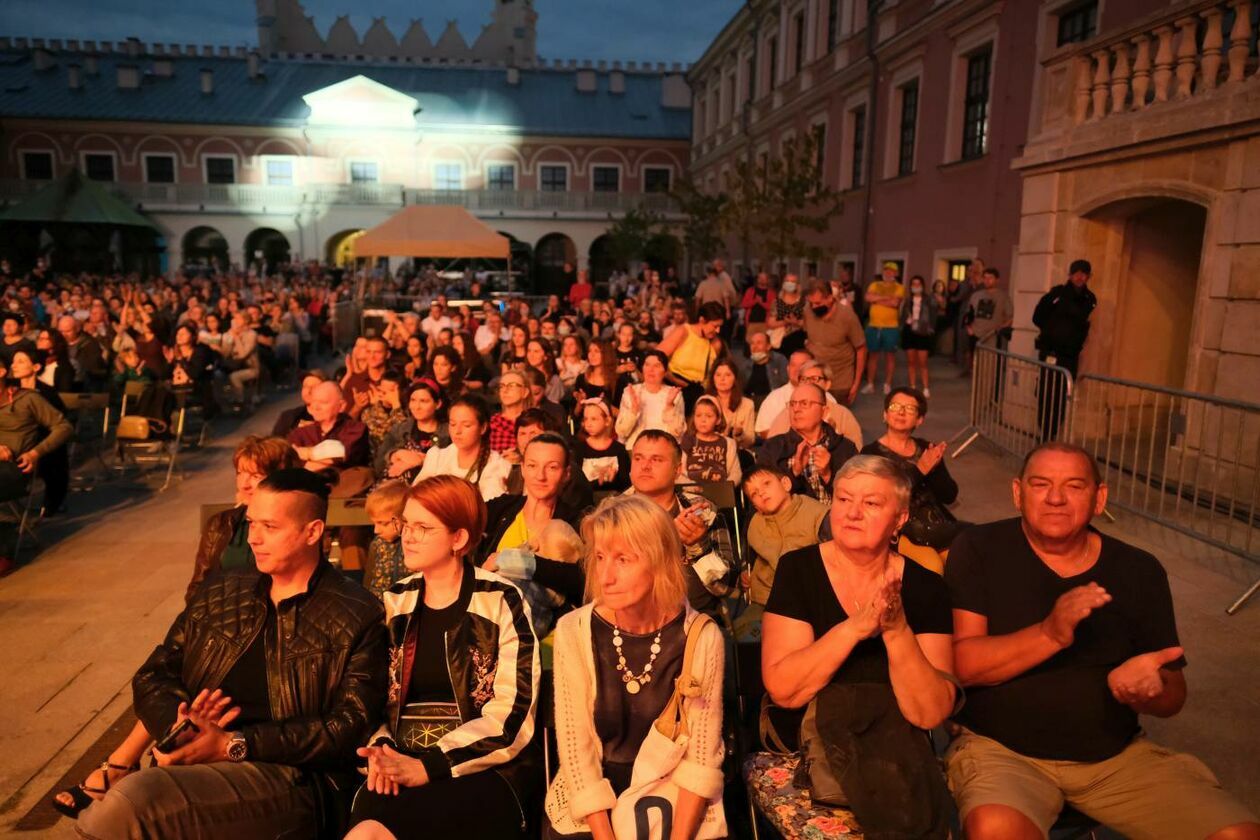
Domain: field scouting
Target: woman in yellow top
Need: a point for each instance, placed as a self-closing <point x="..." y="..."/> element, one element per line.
<point x="690" y="351"/>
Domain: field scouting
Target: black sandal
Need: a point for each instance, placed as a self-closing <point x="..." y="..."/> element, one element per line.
<point x="82" y="796"/>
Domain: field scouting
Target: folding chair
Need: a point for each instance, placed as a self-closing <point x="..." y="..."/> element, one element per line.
<point x="345" y="513"/>
<point x="190" y="410"/>
<point x="725" y="496"/>
<point x="80" y="406"/>
<point x="131" y="440"/>
<point x="28" y="517"/>
<point x="348" y="513"/>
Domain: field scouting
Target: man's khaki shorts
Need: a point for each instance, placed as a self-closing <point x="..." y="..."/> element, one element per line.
<point x="1147" y="791"/>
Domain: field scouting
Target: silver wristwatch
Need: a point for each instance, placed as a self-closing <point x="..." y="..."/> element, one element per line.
<point x="236" y="747"/>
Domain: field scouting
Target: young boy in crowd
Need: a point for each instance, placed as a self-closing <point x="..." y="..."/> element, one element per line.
<point x="385" y="558"/>
<point x="783" y="522"/>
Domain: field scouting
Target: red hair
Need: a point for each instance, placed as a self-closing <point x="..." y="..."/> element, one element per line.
<point x="456" y="504"/>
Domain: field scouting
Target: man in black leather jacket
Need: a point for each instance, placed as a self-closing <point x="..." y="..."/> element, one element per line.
<point x="283" y="672"/>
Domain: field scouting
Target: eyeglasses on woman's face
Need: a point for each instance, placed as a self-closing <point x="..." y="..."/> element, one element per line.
<point x="417" y="531"/>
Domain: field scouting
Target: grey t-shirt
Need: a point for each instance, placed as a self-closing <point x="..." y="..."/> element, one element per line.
<point x="991" y="309"/>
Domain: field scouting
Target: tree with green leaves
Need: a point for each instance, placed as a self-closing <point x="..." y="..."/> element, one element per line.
<point x="629" y="236"/>
<point x="776" y="202"/>
<point x="703" y="218"/>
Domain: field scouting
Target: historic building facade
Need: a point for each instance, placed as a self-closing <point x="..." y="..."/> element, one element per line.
<point x="231" y="151"/>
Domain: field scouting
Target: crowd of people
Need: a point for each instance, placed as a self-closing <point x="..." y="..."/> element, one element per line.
<point x="209" y="341"/>
<point x="579" y="508"/>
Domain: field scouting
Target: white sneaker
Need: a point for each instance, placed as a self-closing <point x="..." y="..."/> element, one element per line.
<point x="887" y="389"/>
<point x="868" y="388"/>
<point x="927" y="393"/>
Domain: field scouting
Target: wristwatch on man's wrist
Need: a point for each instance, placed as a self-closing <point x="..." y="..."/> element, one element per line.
<point x="236" y="747"/>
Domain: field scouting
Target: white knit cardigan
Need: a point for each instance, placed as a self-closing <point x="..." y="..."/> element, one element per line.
<point x="579" y="788"/>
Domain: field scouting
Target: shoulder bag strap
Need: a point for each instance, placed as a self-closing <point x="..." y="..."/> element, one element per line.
<point x="671" y="722"/>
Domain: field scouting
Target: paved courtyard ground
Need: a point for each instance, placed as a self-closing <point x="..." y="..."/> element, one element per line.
<point x="76" y="622"/>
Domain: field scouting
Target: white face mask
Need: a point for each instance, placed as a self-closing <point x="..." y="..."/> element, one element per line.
<point x="563" y="329"/>
<point x="789" y="287"/>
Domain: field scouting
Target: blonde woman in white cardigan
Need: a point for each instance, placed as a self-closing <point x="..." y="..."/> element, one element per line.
<point x="616" y="662"/>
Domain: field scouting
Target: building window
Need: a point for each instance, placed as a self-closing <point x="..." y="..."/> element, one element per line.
<point x="833" y="23"/>
<point x="798" y="29"/>
<point x="958" y="270"/>
<point x="605" y="179"/>
<point x="1079" y="23"/>
<point x="279" y="173"/>
<point x="859" y="146"/>
<point x="448" y="176"/>
<point x="159" y="169"/>
<point x="364" y="172"/>
<point x="820" y="148"/>
<point x="501" y="177"/>
<point x="750" y="77"/>
<point x="553" y="178"/>
<point x="220" y="170"/>
<point x="99" y="167"/>
<point x="976" y="105"/>
<point x="37" y="166"/>
<point x="774" y="61"/>
<point x="909" y="118"/>
<point x="656" y="180"/>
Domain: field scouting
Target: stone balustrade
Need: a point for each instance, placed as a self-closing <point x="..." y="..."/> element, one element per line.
<point x="1188" y="53"/>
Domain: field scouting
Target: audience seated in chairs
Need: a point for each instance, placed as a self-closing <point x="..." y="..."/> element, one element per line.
<point x="336" y="441"/>
<point x="402" y="452"/>
<point x="87" y="358"/>
<point x="619" y="671"/>
<point x="865" y="633"/>
<point x="54" y="467"/>
<point x="469" y="455"/>
<point x="535" y="520"/>
<point x="30" y="428"/>
<point x="931" y="526"/>
<point x="784" y="521"/>
<point x="811" y="451"/>
<point x="224" y="546"/>
<point x="453" y="758"/>
<point x="1064" y="636"/>
<point x="300" y="414"/>
<point x="252" y="765"/>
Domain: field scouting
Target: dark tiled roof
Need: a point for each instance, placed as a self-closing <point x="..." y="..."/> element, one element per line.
<point x="544" y="102"/>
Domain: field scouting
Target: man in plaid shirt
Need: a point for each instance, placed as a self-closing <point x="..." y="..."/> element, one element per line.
<point x="513" y="399"/>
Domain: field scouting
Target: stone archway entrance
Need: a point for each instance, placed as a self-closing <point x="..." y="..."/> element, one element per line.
<point x="1146" y="271"/>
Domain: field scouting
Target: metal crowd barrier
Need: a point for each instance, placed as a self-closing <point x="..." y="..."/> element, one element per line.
<point x="1016" y="402"/>
<point x="1186" y="460"/>
<point x="1189" y="461"/>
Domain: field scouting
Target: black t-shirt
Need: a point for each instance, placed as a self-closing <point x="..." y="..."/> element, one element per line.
<point x="803" y="591"/>
<point x="246" y="681"/>
<point x="1062" y="709"/>
<point x="430" y="673"/>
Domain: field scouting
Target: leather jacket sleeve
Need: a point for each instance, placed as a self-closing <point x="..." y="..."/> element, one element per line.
<point x="214" y="540"/>
<point x="357" y="703"/>
<point x="158" y="686"/>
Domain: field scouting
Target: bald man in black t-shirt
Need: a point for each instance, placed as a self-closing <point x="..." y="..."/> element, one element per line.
<point x="1063" y="636"/>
